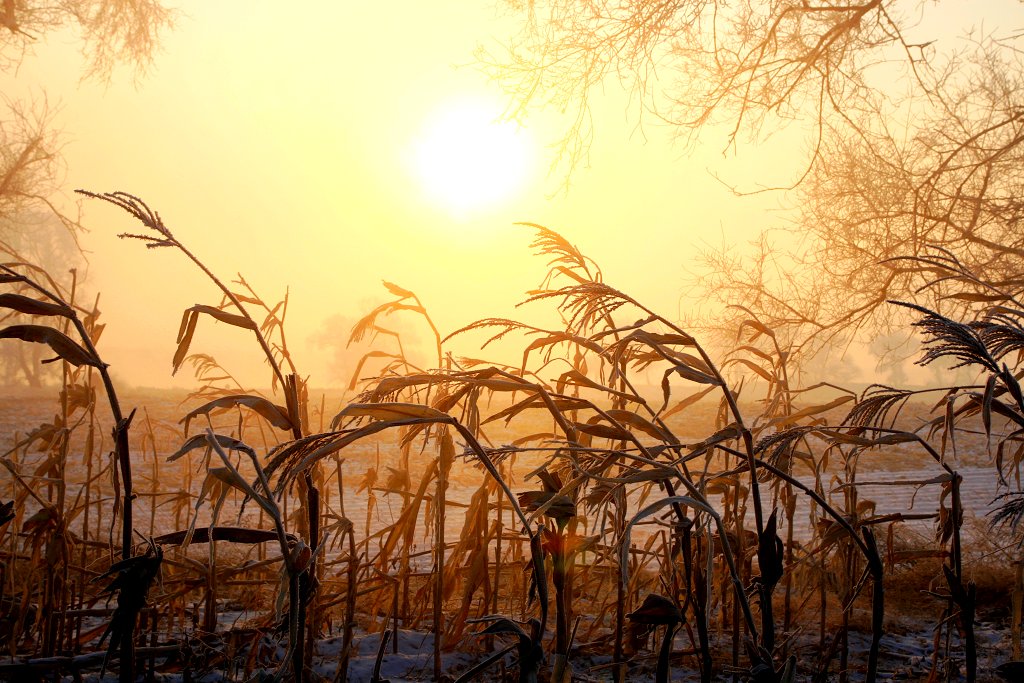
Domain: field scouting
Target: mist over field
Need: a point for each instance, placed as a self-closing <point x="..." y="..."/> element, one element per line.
<point x="548" y="341"/>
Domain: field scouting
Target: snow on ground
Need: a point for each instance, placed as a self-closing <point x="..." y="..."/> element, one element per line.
<point x="904" y="657"/>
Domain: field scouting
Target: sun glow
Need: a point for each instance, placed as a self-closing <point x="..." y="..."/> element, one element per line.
<point x="468" y="160"/>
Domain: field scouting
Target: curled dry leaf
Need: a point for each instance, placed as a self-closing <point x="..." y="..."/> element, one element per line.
<point x="758" y="328"/>
<point x="61" y="344"/>
<point x="232" y="534"/>
<point x="188" y="327"/>
<point x="392" y="411"/>
<point x="555" y="505"/>
<point x="793" y="418"/>
<point x="200" y="440"/>
<point x="502" y="625"/>
<point x="224" y="316"/>
<point x="30" y="306"/>
<point x="233" y="479"/>
<point x="272" y="413"/>
<point x="628" y="418"/>
<point x="683" y="404"/>
<point x="78" y="397"/>
<point x="753" y="367"/>
<point x="656" y="610"/>
<point x="398" y="291"/>
<point x="575" y="378"/>
<point x="603" y="431"/>
<point x="689" y="373"/>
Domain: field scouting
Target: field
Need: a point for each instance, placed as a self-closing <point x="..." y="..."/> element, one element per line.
<point x="552" y="521"/>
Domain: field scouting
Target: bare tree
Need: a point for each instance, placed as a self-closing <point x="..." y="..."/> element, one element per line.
<point x="33" y="229"/>
<point x="911" y="151"/>
<point x="112" y="31"/>
<point x="43" y="239"/>
<point x="29" y="162"/>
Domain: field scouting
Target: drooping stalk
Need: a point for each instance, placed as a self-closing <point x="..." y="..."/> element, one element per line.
<point x="444" y="465"/>
<point x="697" y="589"/>
<point x="121" y="450"/>
<point x="302" y="649"/>
<point x="562" y="561"/>
<point x="351" y="591"/>
<point x="291" y="557"/>
<point x="662" y="673"/>
<point x="619" y="659"/>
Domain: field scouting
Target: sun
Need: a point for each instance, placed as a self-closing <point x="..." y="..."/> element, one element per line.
<point x="468" y="160"/>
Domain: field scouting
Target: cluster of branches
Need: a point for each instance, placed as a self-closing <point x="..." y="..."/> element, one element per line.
<point x="34" y="227"/>
<point x="910" y="144"/>
<point x="112" y="31"/>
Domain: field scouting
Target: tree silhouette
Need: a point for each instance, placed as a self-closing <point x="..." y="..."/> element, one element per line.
<point x="913" y="149"/>
<point x="111" y="31"/>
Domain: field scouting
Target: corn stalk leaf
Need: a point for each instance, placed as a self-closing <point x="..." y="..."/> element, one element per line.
<point x="689" y="373"/>
<point x="274" y="414"/>
<point x="224" y="316"/>
<point x="61" y="344"/>
<point x="231" y="534"/>
<point x="853" y="439"/>
<point x="631" y="419"/>
<point x="30" y="306"/>
<point x="753" y="367"/>
<point x="398" y="291"/>
<point x="975" y="297"/>
<point x="643" y="514"/>
<point x="603" y="431"/>
<point x="578" y="379"/>
<point x="758" y="327"/>
<point x="234" y="480"/>
<point x="793" y="418"/>
<point x="943" y="478"/>
<point x="190" y="317"/>
<point x="391" y="411"/>
<point x="686" y="402"/>
<point x="201" y="440"/>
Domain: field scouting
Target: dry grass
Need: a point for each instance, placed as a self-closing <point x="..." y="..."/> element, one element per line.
<point x="589" y="511"/>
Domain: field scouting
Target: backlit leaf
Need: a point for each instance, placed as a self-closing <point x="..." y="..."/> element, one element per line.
<point x="687" y="402"/>
<point x="786" y="420"/>
<point x="391" y="411"/>
<point x="274" y="414"/>
<point x="694" y="375"/>
<point x="578" y="379"/>
<point x="225" y="317"/>
<point x="603" y="431"/>
<point x="754" y="367"/>
<point x="61" y="344"/>
<point x="200" y="440"/>
<point x="759" y="329"/>
<point x="630" y="419"/>
<point x="185" y="332"/>
<point x="30" y="306"/>
<point x="232" y="479"/>
<point x="398" y="291"/>
<point x="975" y="297"/>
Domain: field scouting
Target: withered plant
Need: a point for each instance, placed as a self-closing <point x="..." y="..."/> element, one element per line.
<point x="51" y="521"/>
<point x="302" y="577"/>
<point x="572" y="489"/>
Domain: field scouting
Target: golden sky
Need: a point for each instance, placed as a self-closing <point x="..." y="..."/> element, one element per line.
<point x="279" y="140"/>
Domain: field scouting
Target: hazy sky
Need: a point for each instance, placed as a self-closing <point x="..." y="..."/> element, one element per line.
<point x="280" y="141"/>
